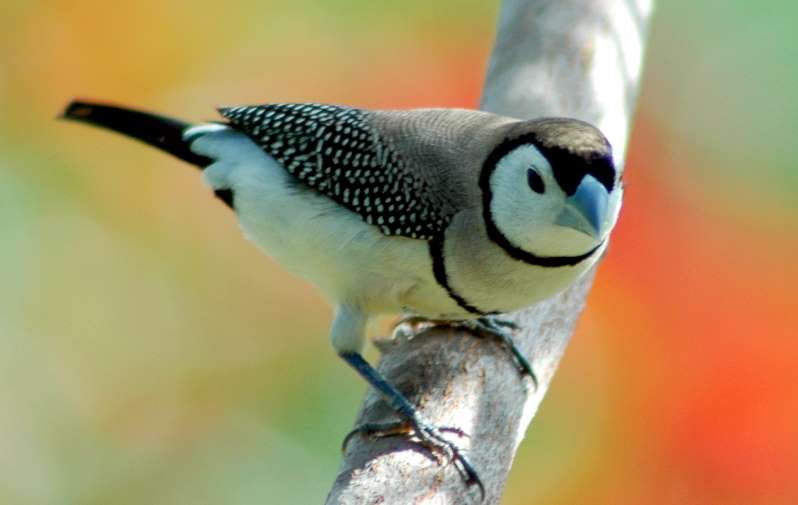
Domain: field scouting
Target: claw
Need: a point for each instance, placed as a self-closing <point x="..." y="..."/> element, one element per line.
<point x="430" y="438"/>
<point x="488" y="327"/>
<point x="495" y="328"/>
<point x="378" y="430"/>
<point x="409" y="324"/>
<point x="504" y="323"/>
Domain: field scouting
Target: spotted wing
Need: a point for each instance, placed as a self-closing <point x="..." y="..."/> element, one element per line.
<point x="335" y="151"/>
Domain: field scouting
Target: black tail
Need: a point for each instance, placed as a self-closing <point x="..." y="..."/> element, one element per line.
<point x="158" y="131"/>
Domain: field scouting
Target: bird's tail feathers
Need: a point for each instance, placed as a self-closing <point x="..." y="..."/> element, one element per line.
<point x="166" y="134"/>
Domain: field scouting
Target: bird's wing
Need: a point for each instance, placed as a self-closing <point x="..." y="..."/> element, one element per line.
<point x="337" y="152"/>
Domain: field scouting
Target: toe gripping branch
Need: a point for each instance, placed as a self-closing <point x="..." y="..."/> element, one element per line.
<point x="501" y="330"/>
<point x="411" y="424"/>
<point x="493" y="328"/>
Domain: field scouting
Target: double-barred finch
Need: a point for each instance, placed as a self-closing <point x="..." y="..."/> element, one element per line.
<point x="445" y="214"/>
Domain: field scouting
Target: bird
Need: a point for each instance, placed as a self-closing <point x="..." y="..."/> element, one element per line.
<point x="448" y="215"/>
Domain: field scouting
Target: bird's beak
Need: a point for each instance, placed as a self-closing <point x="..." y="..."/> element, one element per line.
<point x="586" y="209"/>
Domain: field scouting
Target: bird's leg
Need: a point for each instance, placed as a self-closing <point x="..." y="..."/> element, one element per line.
<point x="412" y="424"/>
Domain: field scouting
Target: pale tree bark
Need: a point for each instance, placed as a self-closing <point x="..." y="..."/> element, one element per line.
<point x="573" y="58"/>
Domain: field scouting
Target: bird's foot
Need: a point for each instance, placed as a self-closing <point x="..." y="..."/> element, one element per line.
<point x="409" y="325"/>
<point x="501" y="330"/>
<point x="485" y="327"/>
<point x="429" y="437"/>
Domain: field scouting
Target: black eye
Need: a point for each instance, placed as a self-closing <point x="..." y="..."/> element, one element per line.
<point x="535" y="181"/>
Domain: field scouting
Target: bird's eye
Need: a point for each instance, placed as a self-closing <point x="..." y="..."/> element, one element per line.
<point x="535" y="181"/>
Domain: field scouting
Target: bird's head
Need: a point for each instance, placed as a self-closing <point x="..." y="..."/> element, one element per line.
<point x="550" y="188"/>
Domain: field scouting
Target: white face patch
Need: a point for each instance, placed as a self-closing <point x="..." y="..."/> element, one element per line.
<point x="524" y="216"/>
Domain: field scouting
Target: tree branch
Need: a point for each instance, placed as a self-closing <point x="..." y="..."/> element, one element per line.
<point x="574" y="58"/>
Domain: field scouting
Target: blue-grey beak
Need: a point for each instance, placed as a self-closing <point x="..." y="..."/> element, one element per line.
<point x="586" y="209"/>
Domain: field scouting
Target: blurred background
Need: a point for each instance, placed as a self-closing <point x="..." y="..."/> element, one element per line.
<point x="148" y="354"/>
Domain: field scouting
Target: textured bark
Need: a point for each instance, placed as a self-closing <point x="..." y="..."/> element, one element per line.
<point x="575" y="58"/>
